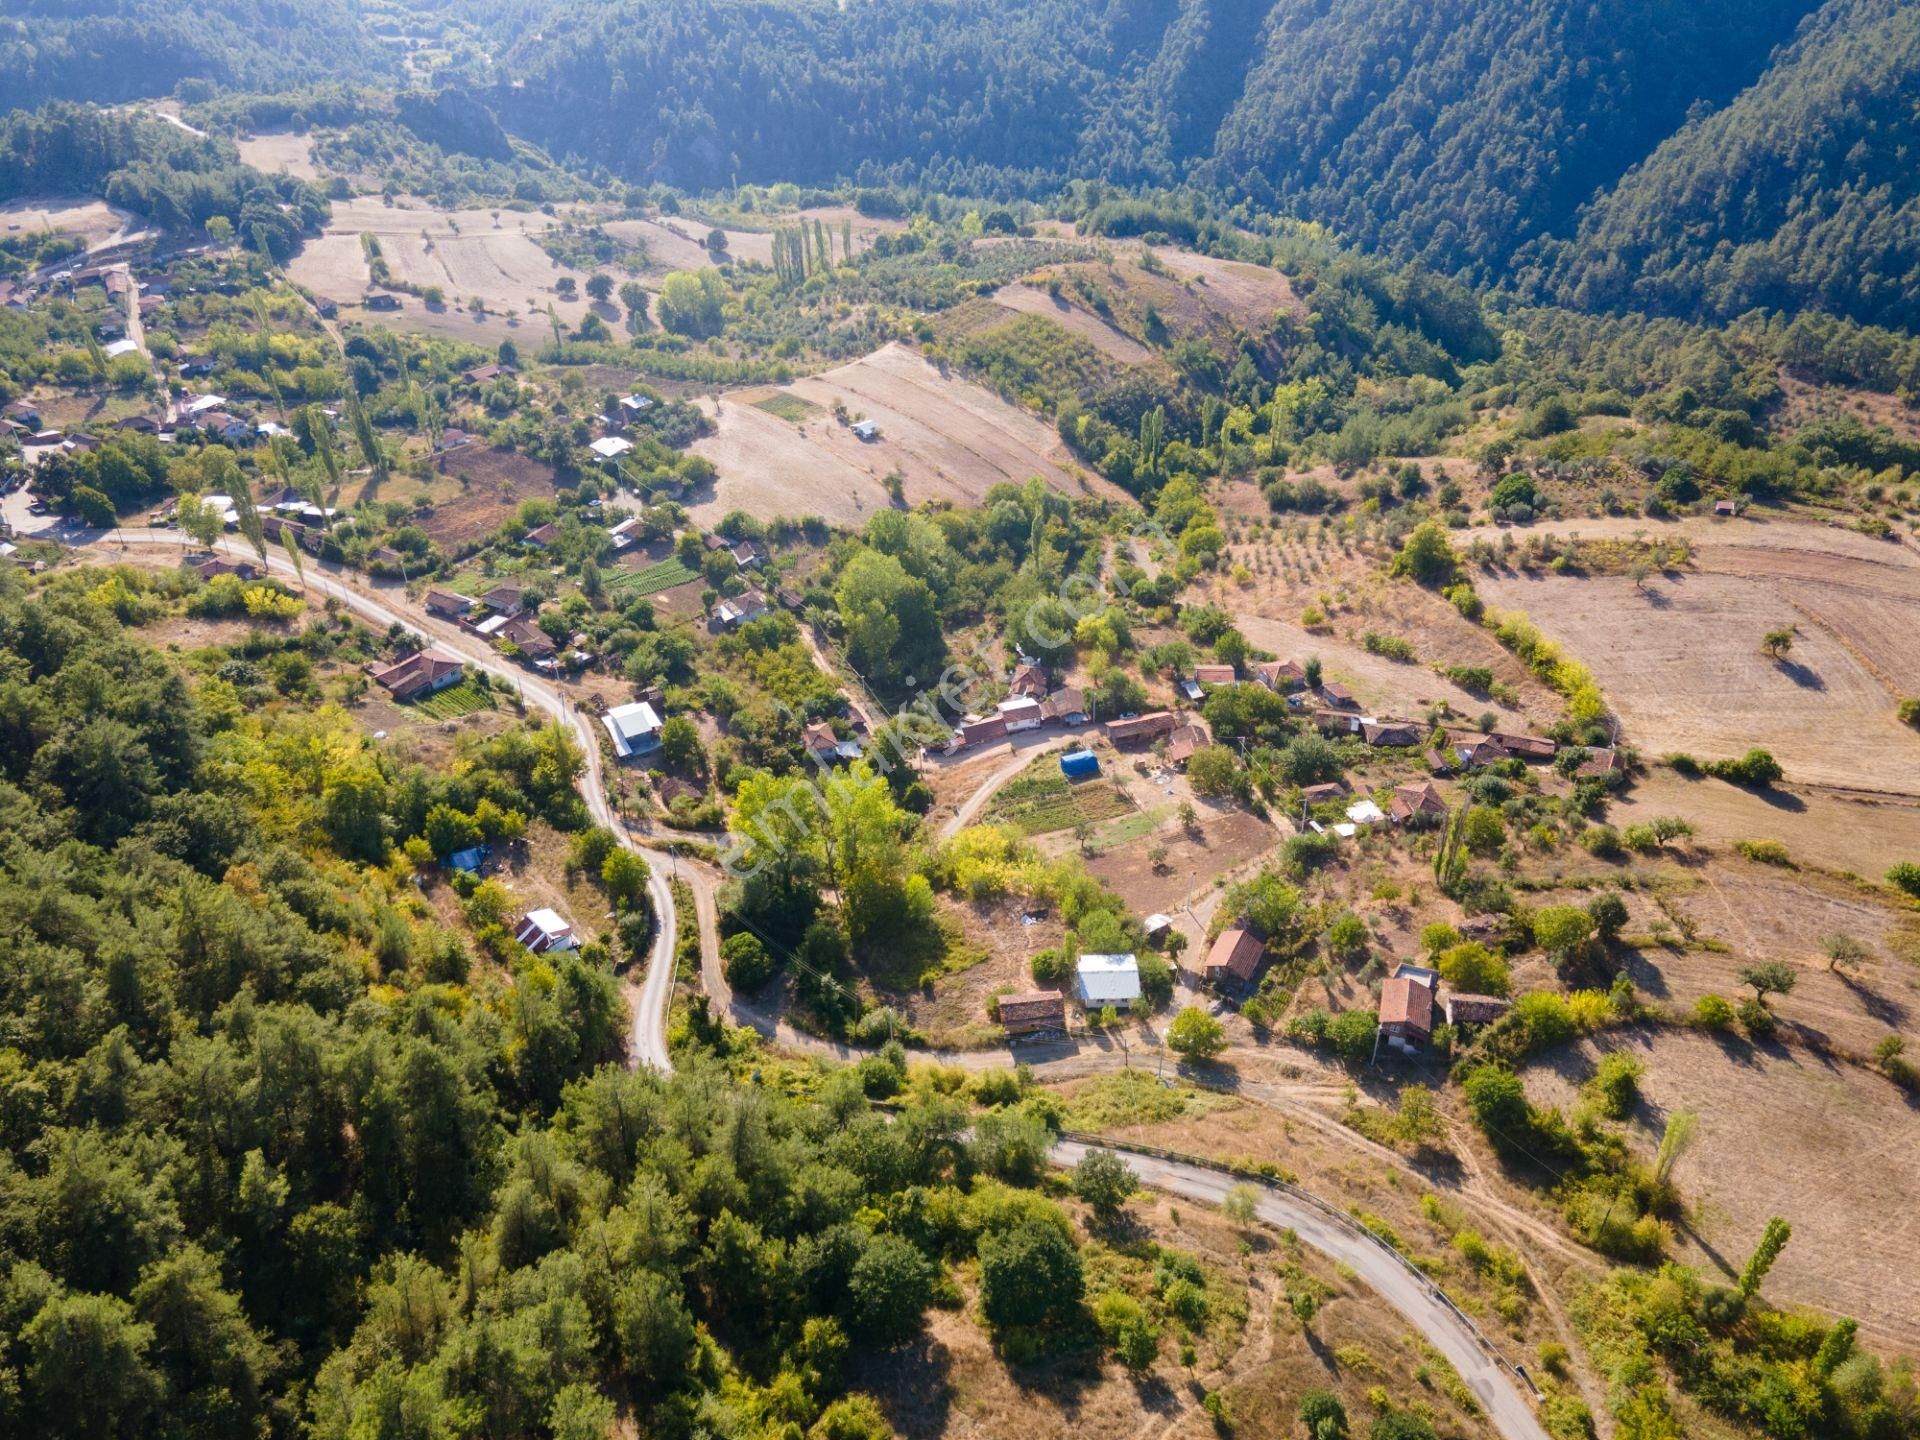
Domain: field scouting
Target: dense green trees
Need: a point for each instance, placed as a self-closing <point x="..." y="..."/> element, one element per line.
<point x="275" y="1157"/>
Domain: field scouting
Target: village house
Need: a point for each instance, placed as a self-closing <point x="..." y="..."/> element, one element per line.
<point x="634" y="728"/>
<point x="1021" y="712"/>
<point x="623" y="534"/>
<point x="487" y="374"/>
<point x="1032" y="1012"/>
<point x="1406" y="1012"/>
<point x="1390" y="733"/>
<point x="1066" y="705"/>
<point x="447" y="605"/>
<point x="382" y="301"/>
<point x="1235" y="956"/>
<point x="1100" y="980"/>
<point x="1338" y="696"/>
<point x="1599" y="764"/>
<point x="1186" y="741"/>
<point x="543" y="535"/>
<point x="610" y="447"/>
<point x="746" y="554"/>
<point x="505" y="599"/>
<point x="1475" y="751"/>
<point x="1322" y="794"/>
<point x="421" y="673"/>
<point x="1526" y="747"/>
<point x="1280" y="676"/>
<point x="1029" y="678"/>
<point x="527" y="637"/>
<point x="1417" y="804"/>
<point x="1472" y="1009"/>
<point x="738" y="610"/>
<point x="1210" y="675"/>
<point x="216" y="565"/>
<point x="866" y="431"/>
<point x="823" y="747"/>
<point x="543" y="930"/>
<point x="980" y="730"/>
<point x="1141" y="729"/>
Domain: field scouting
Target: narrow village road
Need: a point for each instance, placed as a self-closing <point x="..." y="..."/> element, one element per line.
<point x="652" y="994"/>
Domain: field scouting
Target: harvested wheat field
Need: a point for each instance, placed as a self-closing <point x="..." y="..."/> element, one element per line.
<point x="280" y="153"/>
<point x="468" y="254"/>
<point x="1114" y="343"/>
<point x="949" y="439"/>
<point x="1833" y="829"/>
<point x="676" y="242"/>
<point x="1839" y="1162"/>
<point x="1250" y="294"/>
<point x="1682" y="665"/>
<point x="1694" y="927"/>
<point x="94" y="221"/>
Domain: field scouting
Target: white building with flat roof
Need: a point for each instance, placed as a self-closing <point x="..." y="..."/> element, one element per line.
<point x="635" y="728"/>
<point x="1106" y="980"/>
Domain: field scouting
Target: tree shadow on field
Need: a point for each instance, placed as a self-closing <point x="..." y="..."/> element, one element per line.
<point x="1883" y="1008"/>
<point x="1801" y="675"/>
<point x="914" y="1385"/>
<point x="1778" y="799"/>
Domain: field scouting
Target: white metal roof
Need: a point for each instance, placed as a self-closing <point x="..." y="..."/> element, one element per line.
<point x="610" y="447"/>
<point x="632" y="727"/>
<point x="1107" y="979"/>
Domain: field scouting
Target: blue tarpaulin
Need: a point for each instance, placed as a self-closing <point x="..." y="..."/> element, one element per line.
<point x="1080" y="765"/>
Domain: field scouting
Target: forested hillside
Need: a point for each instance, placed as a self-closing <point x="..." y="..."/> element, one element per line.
<point x="1804" y="192"/>
<point x="113" y="50"/>
<point x="280" y="1155"/>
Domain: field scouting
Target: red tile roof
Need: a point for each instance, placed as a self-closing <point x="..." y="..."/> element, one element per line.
<point x="1407" y="1003"/>
<point x="1238" y="952"/>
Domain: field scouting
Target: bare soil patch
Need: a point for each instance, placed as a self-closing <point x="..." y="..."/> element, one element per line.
<point x="483" y="487"/>
<point x="94" y="221"/>
<point x="949" y="438"/>
<point x="1106" y="338"/>
<point x="1251" y="294"/>
<point x="1782" y="1132"/>
<point x="1221" y="842"/>
<point x="1682" y="664"/>
<point x="280" y="153"/>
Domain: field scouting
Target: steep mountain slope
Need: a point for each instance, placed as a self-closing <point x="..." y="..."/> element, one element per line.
<point x="112" y="50"/>
<point x="1452" y="130"/>
<point x="1805" y="191"/>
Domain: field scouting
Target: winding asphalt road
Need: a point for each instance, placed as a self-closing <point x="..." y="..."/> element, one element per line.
<point x="1402" y="1287"/>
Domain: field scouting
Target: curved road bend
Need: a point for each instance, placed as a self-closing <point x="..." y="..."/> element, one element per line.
<point x="1511" y="1415"/>
<point x="653" y="994"/>
<point x="1505" y="1407"/>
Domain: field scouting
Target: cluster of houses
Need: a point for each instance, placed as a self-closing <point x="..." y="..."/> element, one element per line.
<point x="501" y="617"/>
<point x="1411" y="998"/>
<point x="1030" y="704"/>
